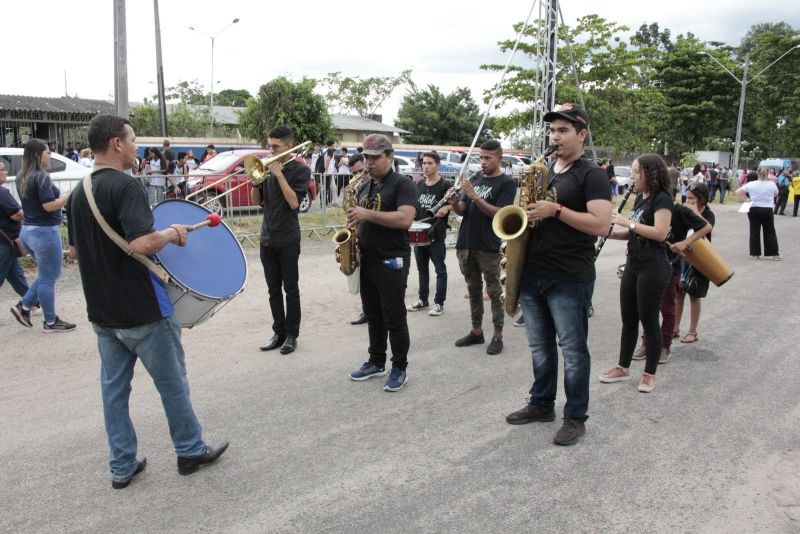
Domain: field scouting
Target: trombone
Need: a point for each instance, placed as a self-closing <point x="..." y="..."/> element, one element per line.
<point x="254" y="167"/>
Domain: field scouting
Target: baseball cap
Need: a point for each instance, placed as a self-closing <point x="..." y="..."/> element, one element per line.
<point x="376" y="144"/>
<point x="568" y="111"/>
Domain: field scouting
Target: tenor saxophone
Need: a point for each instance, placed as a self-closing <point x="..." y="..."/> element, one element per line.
<point x="346" y="239"/>
<point x="510" y="223"/>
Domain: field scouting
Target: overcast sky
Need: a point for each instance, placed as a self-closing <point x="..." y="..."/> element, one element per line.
<point x="444" y="42"/>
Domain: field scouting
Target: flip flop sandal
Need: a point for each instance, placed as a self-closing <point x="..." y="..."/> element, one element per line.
<point x="691" y="337"/>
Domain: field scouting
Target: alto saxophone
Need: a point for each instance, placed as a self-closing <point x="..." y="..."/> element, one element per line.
<point x="510" y="223"/>
<point x="346" y="239"/>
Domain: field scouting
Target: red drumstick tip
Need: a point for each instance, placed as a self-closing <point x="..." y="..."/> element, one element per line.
<point x="214" y="219"/>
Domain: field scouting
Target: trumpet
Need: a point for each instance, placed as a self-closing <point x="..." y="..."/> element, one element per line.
<point x="255" y="168"/>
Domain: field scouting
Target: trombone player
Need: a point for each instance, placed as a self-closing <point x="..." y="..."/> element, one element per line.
<point x="280" y="194"/>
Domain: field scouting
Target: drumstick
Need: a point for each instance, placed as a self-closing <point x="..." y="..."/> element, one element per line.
<point x="212" y="220"/>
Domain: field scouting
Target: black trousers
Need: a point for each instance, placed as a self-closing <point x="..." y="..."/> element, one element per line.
<point x="762" y="219"/>
<point x="281" y="272"/>
<point x="383" y="291"/>
<point x="647" y="274"/>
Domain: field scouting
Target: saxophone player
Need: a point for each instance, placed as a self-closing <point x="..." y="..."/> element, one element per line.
<point x="281" y="194"/>
<point x="558" y="277"/>
<point x="385" y="209"/>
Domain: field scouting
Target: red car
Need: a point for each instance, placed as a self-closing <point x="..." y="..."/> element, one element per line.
<point x="231" y="163"/>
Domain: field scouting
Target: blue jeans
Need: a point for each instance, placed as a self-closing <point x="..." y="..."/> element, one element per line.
<point x="158" y="346"/>
<point x="11" y="270"/>
<point x="435" y="252"/>
<point x="44" y="244"/>
<point x="557" y="313"/>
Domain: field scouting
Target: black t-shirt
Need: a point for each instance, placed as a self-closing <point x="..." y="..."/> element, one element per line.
<point x="557" y="250"/>
<point x="120" y="292"/>
<point x="427" y="197"/>
<point x="476" y="228"/>
<point x="40" y="191"/>
<point x="375" y="241"/>
<point x="683" y="220"/>
<point x="644" y="211"/>
<point x="280" y="226"/>
<point x="8" y="207"/>
<point x="710" y="217"/>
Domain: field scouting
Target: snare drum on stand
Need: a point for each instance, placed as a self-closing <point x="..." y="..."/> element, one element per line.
<point x="206" y="273"/>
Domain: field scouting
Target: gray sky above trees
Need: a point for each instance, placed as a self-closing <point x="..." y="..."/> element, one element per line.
<point x="443" y="42"/>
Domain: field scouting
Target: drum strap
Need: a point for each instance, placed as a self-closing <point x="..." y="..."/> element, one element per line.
<point x="118" y="240"/>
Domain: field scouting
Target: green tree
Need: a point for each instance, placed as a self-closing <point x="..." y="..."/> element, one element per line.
<point x="188" y="92"/>
<point x="438" y="119"/>
<point x="145" y="120"/>
<point x="232" y="97"/>
<point x="361" y="95"/>
<point x="188" y="121"/>
<point x="698" y="96"/>
<point x="284" y="102"/>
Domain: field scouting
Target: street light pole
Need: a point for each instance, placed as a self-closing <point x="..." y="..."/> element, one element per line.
<point x="743" y="82"/>
<point x="211" y="90"/>
<point x="738" y="144"/>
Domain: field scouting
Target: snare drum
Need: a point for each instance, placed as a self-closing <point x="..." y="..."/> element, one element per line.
<point x="206" y="273"/>
<point x="419" y="233"/>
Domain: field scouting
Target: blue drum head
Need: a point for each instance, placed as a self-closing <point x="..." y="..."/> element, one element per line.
<point x="212" y="263"/>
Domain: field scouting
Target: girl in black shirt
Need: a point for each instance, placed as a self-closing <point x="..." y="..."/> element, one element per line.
<point x="647" y="269"/>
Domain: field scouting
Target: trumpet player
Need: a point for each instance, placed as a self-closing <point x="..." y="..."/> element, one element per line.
<point x="280" y="194"/>
<point x="558" y="276"/>
<point x="385" y="208"/>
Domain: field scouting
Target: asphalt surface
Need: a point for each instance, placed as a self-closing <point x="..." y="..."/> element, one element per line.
<point x="713" y="449"/>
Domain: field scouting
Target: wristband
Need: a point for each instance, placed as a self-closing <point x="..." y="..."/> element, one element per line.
<point x="559" y="207"/>
<point x="177" y="232"/>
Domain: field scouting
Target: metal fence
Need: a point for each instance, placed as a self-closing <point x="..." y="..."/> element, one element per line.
<point x="236" y="205"/>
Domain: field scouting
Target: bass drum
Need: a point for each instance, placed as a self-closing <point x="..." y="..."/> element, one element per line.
<point x="206" y="273"/>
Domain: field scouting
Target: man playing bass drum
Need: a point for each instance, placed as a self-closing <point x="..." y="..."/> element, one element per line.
<point x="431" y="189"/>
<point x="558" y="277"/>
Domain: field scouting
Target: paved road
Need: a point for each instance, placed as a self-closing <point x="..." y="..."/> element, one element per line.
<point x="713" y="449"/>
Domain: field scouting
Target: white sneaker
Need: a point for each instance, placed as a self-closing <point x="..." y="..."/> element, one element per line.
<point x="417" y="306"/>
<point x="437" y="309"/>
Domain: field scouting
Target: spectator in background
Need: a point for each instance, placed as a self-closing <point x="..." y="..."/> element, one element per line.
<point x="762" y="193"/>
<point x="191" y="161"/>
<point x="177" y="174"/>
<point x="157" y="169"/>
<point x="783" y="183"/>
<point x="41" y="234"/>
<point x="796" y="189"/>
<point x="10" y="218"/>
<point x="167" y="151"/>
<point x="674" y="178"/>
<point x="86" y="158"/>
<point x="71" y="153"/>
<point x="612" y="177"/>
<point x="712" y="175"/>
<point x="772" y="176"/>
<point x="722" y="184"/>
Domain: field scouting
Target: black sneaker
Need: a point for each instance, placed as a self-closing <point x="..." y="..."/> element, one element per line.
<point x="570" y="432"/>
<point x="22" y="315"/>
<point x="495" y="346"/>
<point x="529" y="414"/>
<point x="58" y="326"/>
<point x="470" y="339"/>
